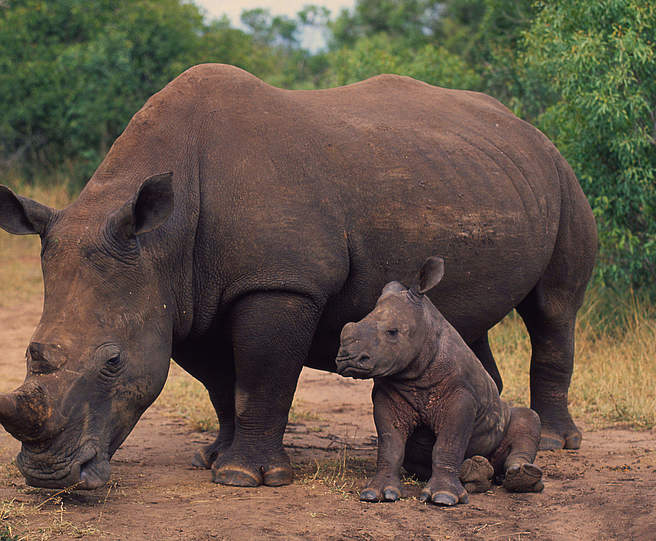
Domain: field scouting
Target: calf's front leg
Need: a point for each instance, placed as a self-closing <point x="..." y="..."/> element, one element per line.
<point x="392" y="435"/>
<point x="453" y="428"/>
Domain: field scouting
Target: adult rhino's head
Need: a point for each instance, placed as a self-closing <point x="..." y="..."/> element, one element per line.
<point x="100" y="354"/>
<point x="395" y="332"/>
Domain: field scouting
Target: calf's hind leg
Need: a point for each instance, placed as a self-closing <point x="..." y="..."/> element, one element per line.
<point x="520" y="444"/>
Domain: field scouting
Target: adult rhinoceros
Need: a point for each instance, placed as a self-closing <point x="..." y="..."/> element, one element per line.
<point x="236" y="227"/>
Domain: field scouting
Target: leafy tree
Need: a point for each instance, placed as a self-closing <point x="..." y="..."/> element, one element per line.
<point x="269" y="29"/>
<point x="396" y="36"/>
<point x="380" y="54"/>
<point x="72" y="73"/>
<point x="600" y="59"/>
<point x="227" y="45"/>
<point x="412" y="20"/>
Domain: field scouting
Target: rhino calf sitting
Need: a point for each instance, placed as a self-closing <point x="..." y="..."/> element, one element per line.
<point x="429" y="382"/>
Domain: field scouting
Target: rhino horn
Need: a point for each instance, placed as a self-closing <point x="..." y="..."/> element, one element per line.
<point x="23" y="413"/>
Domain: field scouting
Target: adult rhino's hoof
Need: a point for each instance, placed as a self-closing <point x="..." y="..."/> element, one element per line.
<point x="274" y="477"/>
<point x="201" y="461"/>
<point x="237" y="468"/>
<point x="208" y="454"/>
<point x="550" y="440"/>
<point x="523" y="478"/>
<point x="232" y="476"/>
<point x="278" y="476"/>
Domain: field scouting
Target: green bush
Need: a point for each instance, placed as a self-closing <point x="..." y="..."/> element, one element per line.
<point x="599" y="58"/>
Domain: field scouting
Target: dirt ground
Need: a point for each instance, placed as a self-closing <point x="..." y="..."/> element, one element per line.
<point x="606" y="490"/>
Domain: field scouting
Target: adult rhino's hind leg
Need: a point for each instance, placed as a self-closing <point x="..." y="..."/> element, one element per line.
<point x="549" y="313"/>
<point x="271" y="336"/>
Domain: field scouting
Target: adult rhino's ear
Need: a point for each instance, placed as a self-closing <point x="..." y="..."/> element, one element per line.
<point x="430" y="274"/>
<point x="21" y="215"/>
<point x="147" y="210"/>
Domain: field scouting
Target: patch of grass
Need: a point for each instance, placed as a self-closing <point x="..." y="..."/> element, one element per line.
<point x="185" y="397"/>
<point x="614" y="364"/>
<point x="341" y="475"/>
<point x="7" y="535"/>
<point x="46" y="520"/>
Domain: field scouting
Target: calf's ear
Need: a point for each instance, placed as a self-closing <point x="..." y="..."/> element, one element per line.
<point x="147" y="210"/>
<point x="21" y="215"/>
<point x="430" y="274"/>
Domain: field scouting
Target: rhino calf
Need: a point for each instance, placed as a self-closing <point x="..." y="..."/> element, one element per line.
<point x="429" y="384"/>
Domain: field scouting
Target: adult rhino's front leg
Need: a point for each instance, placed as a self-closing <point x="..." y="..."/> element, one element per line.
<point x="271" y="336"/>
<point x="223" y="400"/>
<point x="218" y="377"/>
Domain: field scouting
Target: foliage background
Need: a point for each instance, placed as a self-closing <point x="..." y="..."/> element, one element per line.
<point x="73" y="72"/>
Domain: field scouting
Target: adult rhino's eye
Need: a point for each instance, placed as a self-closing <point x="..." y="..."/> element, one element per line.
<point x="113" y="364"/>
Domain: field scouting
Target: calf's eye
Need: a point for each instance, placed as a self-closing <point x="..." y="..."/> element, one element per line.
<point x="392" y="332"/>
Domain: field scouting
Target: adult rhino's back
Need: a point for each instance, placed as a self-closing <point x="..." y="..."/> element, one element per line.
<point x="371" y="178"/>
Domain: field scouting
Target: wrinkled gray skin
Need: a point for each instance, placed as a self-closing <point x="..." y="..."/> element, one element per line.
<point x="426" y="378"/>
<point x="237" y="227"/>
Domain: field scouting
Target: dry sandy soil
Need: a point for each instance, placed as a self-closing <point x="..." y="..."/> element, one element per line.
<point x="606" y="490"/>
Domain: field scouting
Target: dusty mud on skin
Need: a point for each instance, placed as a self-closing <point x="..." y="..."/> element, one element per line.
<point x="606" y="490"/>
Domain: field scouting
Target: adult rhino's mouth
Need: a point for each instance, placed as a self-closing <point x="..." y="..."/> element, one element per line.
<point x="84" y="470"/>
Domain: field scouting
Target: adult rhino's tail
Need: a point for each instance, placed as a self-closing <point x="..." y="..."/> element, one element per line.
<point x="549" y="311"/>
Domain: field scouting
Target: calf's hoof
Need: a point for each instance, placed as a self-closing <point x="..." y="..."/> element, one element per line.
<point x="523" y="478"/>
<point x="476" y="474"/>
<point x="388" y="494"/>
<point x="443" y="497"/>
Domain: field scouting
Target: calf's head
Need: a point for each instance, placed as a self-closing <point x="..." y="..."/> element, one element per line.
<point x="388" y="339"/>
<point x="100" y="354"/>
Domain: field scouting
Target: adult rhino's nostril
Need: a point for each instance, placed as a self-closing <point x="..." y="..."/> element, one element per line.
<point x="44" y="358"/>
<point x="37" y="352"/>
